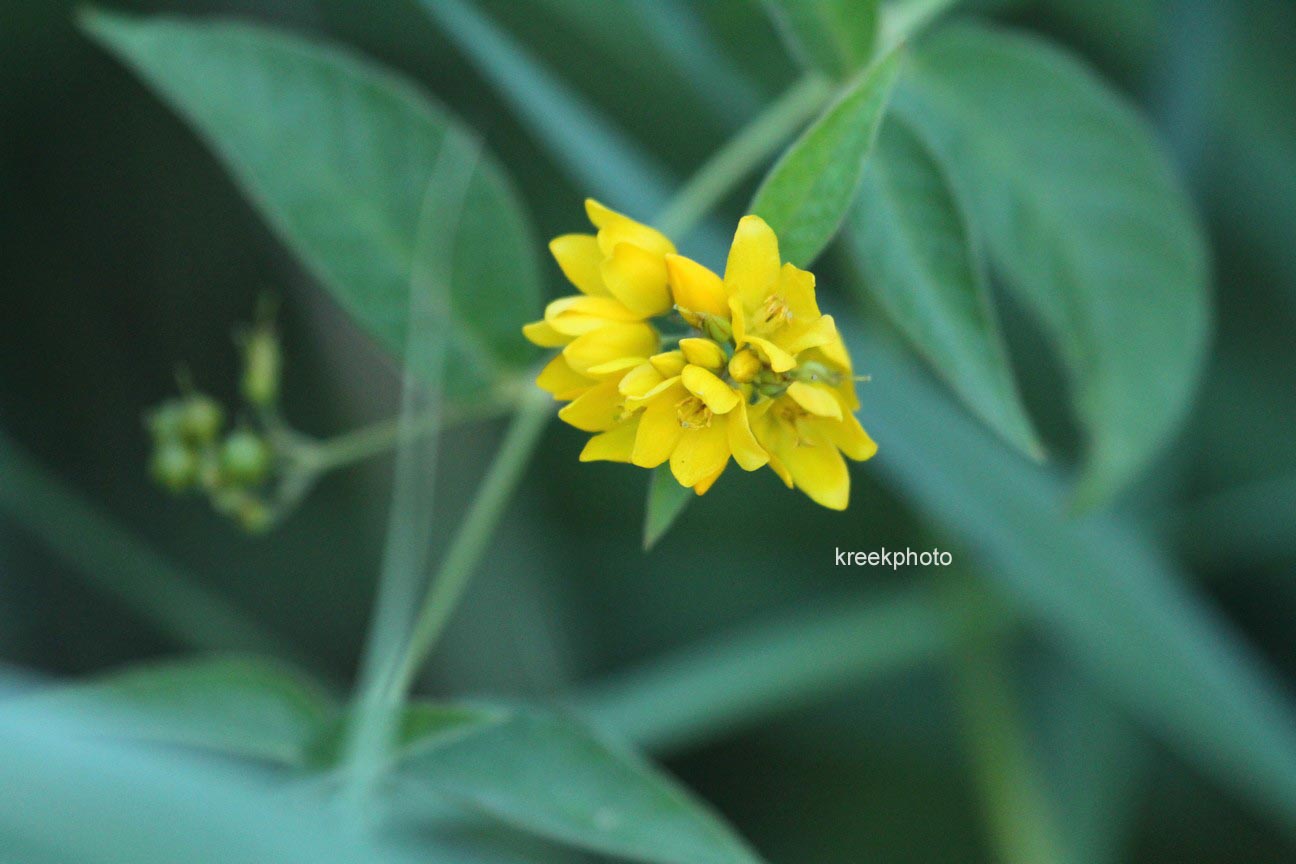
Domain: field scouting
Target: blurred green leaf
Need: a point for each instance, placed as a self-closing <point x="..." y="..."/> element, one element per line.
<point x="337" y="153"/>
<point x="666" y="501"/>
<point x="834" y="37"/>
<point x="119" y="563"/>
<point x="807" y="193"/>
<point x="580" y="139"/>
<point x="1110" y="599"/>
<point x="420" y="726"/>
<point x="238" y="706"/>
<point x="919" y="259"/>
<point x="1083" y="217"/>
<point x="547" y="775"/>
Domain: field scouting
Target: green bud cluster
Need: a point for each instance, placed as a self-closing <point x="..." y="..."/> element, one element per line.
<point x="235" y="468"/>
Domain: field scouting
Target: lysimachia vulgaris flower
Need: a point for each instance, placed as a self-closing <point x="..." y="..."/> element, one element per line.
<point x="760" y="375"/>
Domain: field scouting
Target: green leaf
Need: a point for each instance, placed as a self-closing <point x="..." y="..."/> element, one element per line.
<point x="913" y="245"/>
<point x="1111" y="600"/>
<point x="1084" y="219"/>
<point x="549" y="776"/>
<point x="834" y="37"/>
<point x="337" y="154"/>
<point x="666" y="501"/>
<point x="806" y="195"/>
<point x="420" y="726"/>
<point x="238" y="706"/>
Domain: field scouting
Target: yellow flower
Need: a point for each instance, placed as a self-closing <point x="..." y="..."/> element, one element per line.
<point x="764" y="377"/>
<point x="621" y="274"/>
<point x="772" y="304"/>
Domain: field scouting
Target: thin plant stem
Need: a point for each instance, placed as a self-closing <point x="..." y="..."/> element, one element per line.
<point x="743" y="153"/>
<point x="534" y="410"/>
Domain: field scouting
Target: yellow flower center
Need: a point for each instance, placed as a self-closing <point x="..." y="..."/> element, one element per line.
<point x="774" y="312"/>
<point x="693" y="413"/>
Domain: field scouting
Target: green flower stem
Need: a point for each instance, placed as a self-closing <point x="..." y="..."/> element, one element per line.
<point x="754" y="144"/>
<point x="370" y="441"/>
<point x="1022" y="819"/>
<point x="534" y="410"/>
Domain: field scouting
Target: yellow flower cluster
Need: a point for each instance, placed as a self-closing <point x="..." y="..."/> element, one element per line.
<point x="761" y="375"/>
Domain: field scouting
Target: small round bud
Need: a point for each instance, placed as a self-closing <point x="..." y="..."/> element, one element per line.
<point x="202" y="419"/>
<point x="245" y="458"/>
<point x="174" y="466"/>
<point x="166" y="421"/>
<point x="261" y="365"/>
<point x="254" y="515"/>
<point x="744" y="366"/>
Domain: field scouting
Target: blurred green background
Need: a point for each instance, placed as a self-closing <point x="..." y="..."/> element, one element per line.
<point x="125" y="250"/>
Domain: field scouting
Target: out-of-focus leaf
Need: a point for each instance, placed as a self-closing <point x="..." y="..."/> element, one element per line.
<point x="1114" y="603"/>
<point x="746" y="676"/>
<point x="119" y="563"/>
<point x="919" y="259"/>
<point x="1084" y="219"/>
<point x="420" y="726"/>
<point x="590" y="148"/>
<point x="547" y="775"/>
<point x="337" y="153"/>
<point x="834" y="37"/>
<point x="244" y="707"/>
<point x="666" y="501"/>
<point x="806" y="195"/>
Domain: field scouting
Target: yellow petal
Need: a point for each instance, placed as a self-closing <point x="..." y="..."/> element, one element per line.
<point x="637" y="278"/>
<point x="815" y="398"/>
<point x="595" y="410"/>
<point x="579" y="314"/>
<point x="747" y="452"/>
<point x="640" y="380"/>
<point x="714" y="393"/>
<point x="701" y="488"/>
<point x="580" y="258"/>
<point x="615" y="445"/>
<point x="835" y="350"/>
<point x="637" y="401"/>
<point x="614" y="228"/>
<point x="614" y="367"/>
<point x="821" y="473"/>
<point x="850" y="436"/>
<point x="668" y="363"/>
<point x="659" y="430"/>
<point x="738" y="320"/>
<point x="562" y="381"/>
<point x="700" y="454"/>
<point x="778" y="359"/>
<point x="695" y="288"/>
<point x="610" y="342"/>
<point x="703" y="352"/>
<point x="797" y="288"/>
<point x="802" y="335"/>
<point x="543" y="334"/>
<point x="753" y="266"/>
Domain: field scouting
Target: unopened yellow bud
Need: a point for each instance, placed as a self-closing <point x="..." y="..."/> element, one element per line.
<point x="744" y="366"/>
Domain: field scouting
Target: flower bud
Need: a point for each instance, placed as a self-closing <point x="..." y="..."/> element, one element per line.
<point x="245" y="458"/>
<point x="254" y="515"/>
<point x="744" y="366"/>
<point x="261" y="368"/>
<point x="202" y="418"/>
<point x="166" y="421"/>
<point x="717" y="329"/>
<point x="174" y="465"/>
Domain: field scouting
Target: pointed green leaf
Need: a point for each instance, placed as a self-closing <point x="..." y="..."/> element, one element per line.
<point x="337" y="154"/>
<point x="238" y="706"/>
<point x="1083" y="217"/>
<point x="806" y="195"/>
<point x="549" y="776"/>
<point x="666" y="501"/>
<point x="834" y="37"/>
<point x="913" y="245"/>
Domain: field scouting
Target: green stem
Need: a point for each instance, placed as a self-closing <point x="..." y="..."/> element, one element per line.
<point x="1021" y="816"/>
<point x="370" y="441"/>
<point x="754" y="144"/>
<point x="534" y="410"/>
